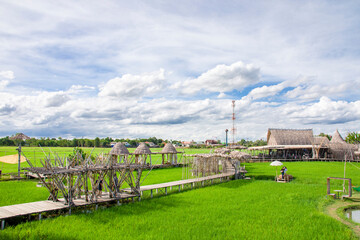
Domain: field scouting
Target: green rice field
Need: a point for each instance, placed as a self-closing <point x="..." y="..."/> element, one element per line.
<point x="241" y="209"/>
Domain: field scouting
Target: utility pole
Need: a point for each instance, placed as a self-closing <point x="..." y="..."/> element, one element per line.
<point x="226" y="131"/>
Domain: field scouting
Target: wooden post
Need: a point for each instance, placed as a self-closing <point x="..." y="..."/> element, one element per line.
<point x="19" y="153"/>
<point x="151" y="193"/>
<point x="2" y="224"/>
<point x="328" y="185"/>
<point x="39" y="216"/>
<point x="179" y="188"/>
<point x="350" y="188"/>
<point x="165" y="190"/>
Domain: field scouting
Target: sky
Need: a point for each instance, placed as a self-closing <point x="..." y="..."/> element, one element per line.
<point x="170" y="69"/>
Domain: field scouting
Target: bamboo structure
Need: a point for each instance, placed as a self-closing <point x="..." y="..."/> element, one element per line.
<point x="169" y="154"/>
<point x="216" y="163"/>
<point x="87" y="176"/>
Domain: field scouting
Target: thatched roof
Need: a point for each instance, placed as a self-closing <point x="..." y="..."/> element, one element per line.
<point x="240" y="155"/>
<point x="289" y="136"/>
<point x="169" y="148"/>
<point x="222" y="150"/>
<point x="321" y="141"/>
<point x="336" y="138"/>
<point x="142" y="149"/>
<point x="20" y="136"/>
<point x="119" y="149"/>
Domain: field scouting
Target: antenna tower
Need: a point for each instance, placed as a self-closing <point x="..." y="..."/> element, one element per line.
<point x="233" y="130"/>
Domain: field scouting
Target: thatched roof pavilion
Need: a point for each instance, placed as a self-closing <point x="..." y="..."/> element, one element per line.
<point x="289" y="136"/>
<point x="119" y="149"/>
<point x="294" y="143"/>
<point x="341" y="149"/>
<point x="141" y="153"/>
<point x="337" y="138"/>
<point x="142" y="149"/>
<point x="169" y="152"/>
<point x="20" y="136"/>
<point x="169" y="148"/>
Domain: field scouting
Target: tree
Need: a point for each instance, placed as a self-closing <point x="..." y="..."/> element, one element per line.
<point x="353" y="138"/>
<point x="97" y="142"/>
<point x="325" y="135"/>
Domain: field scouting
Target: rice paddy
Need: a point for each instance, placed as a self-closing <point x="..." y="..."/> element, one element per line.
<point x="255" y="209"/>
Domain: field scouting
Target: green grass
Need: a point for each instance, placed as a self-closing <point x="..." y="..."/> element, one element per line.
<point x="256" y="209"/>
<point x="16" y="192"/>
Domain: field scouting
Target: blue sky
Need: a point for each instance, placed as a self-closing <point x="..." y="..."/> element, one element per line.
<point x="170" y="70"/>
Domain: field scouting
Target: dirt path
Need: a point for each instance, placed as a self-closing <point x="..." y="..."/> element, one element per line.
<point x="12" y="159"/>
<point x="331" y="211"/>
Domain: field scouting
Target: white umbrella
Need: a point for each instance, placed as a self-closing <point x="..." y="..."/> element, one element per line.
<point x="276" y="163"/>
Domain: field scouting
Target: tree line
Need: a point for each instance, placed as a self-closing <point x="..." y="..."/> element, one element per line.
<point x="78" y="142"/>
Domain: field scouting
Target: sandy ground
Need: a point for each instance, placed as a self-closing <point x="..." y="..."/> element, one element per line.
<point x="12" y="159"/>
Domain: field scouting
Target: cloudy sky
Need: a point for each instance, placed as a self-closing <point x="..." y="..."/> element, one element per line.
<point x="129" y="69"/>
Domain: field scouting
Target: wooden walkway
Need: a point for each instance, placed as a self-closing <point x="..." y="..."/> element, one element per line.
<point x="25" y="209"/>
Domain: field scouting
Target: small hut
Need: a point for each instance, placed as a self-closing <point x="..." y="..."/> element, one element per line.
<point x="142" y="152"/>
<point x="119" y="153"/>
<point x="341" y="149"/>
<point x="169" y="154"/>
<point x="20" y="137"/>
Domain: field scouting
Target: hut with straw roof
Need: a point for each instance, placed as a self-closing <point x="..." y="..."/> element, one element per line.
<point x="169" y="154"/>
<point x="339" y="149"/>
<point x="20" y="137"/>
<point x="119" y="153"/>
<point x="293" y="144"/>
<point x="142" y="153"/>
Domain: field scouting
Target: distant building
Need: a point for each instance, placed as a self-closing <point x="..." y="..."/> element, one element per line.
<point x="152" y="145"/>
<point x="188" y="143"/>
<point x="20" y="136"/>
<point x="211" y="142"/>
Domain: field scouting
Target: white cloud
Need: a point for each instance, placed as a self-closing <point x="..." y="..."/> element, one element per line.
<point x="134" y="86"/>
<point x="222" y="78"/>
<point x="3" y="84"/>
<point x="7" y="75"/>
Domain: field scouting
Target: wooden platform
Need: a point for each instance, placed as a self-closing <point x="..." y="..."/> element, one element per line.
<point x="47" y="205"/>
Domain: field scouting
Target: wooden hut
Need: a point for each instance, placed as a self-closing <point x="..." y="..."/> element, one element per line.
<point x="142" y="154"/>
<point x="293" y="144"/>
<point x="119" y="153"/>
<point x="20" y="137"/>
<point x="169" y="154"/>
<point x="340" y="149"/>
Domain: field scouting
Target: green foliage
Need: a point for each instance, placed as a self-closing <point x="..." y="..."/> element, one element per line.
<point x="325" y="135"/>
<point x="97" y="142"/>
<point x="249" y="143"/>
<point x="353" y="138"/>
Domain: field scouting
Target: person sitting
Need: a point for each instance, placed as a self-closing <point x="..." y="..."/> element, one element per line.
<point x="282" y="173"/>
